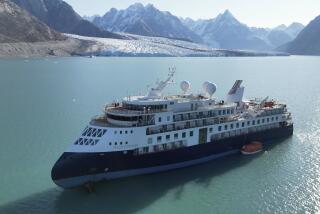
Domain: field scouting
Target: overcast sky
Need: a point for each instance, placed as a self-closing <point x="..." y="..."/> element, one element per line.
<point x="260" y="13"/>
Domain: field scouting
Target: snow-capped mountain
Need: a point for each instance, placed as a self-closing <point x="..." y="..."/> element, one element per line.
<point x="225" y="31"/>
<point x="145" y="20"/>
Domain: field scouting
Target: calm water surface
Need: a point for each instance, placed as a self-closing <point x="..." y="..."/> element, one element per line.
<point x="45" y="103"/>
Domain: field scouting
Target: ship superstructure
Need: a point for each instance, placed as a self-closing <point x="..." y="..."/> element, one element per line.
<point x="153" y="133"/>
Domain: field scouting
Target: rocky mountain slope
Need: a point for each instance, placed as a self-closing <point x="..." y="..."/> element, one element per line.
<point x="307" y="42"/>
<point x="17" y="25"/>
<point x="60" y="16"/>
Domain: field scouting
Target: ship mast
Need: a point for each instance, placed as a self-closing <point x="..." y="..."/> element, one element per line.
<point x="157" y="91"/>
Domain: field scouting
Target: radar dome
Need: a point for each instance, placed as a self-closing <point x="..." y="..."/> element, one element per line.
<point x="204" y="85"/>
<point x="211" y="88"/>
<point x="185" y="86"/>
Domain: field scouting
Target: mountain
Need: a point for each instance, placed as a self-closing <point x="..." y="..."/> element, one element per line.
<point x="292" y="30"/>
<point x="60" y="16"/>
<point x="145" y="20"/>
<point x="307" y="41"/>
<point x="225" y="31"/>
<point x="17" y="25"/>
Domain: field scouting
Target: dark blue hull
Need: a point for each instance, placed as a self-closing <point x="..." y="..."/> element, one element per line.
<point x="75" y="169"/>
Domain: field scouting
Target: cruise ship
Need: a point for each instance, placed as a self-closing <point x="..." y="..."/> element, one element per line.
<point x="155" y="133"/>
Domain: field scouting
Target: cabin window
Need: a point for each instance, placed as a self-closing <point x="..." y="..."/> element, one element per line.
<point x="268" y="120"/>
<point x="120" y="132"/>
<point x="150" y="140"/>
<point x="232" y="111"/>
<point x="168" y="137"/>
<point x="131" y="131"/>
<point x="225" y="127"/>
<point x="126" y="132"/>
<point x="191" y="133"/>
<point x="219" y="112"/>
<point x="253" y="122"/>
<point x="242" y="124"/>
<point x="159" y="119"/>
<point x="237" y="125"/>
<point x="171" y="103"/>
<point x="228" y="111"/>
<point x="120" y="143"/>
<point x="159" y="138"/>
<point x="168" y="118"/>
<point x="110" y="143"/>
<point x="210" y="129"/>
<point x="248" y="123"/>
<point x="263" y="120"/>
<point x="184" y="135"/>
<point x="223" y="112"/>
<point x="145" y="149"/>
<point x="115" y="143"/>
<point x="176" y="136"/>
<point x="277" y="118"/>
<point x="258" y="121"/>
<point x="231" y="126"/>
<point x="104" y="131"/>
<point x="164" y="146"/>
<point x="126" y="142"/>
<point x="115" y="132"/>
<point x="219" y="128"/>
<point x="272" y="118"/>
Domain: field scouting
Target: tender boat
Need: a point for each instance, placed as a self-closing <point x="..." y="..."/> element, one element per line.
<point x="252" y="148"/>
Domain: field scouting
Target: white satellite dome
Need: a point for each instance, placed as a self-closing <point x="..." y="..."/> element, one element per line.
<point x="204" y="85"/>
<point x="185" y="86"/>
<point x="211" y="88"/>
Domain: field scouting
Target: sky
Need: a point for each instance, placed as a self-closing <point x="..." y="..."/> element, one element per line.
<point x="255" y="13"/>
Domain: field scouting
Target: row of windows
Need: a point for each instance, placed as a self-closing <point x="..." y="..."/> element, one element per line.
<point x="243" y="124"/>
<point x="85" y="141"/>
<point x="123" y="132"/>
<point x="92" y="132"/>
<point x="168" y="137"/>
<point x="118" y="143"/>
<point x="159" y="148"/>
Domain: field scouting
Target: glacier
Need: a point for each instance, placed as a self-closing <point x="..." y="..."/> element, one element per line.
<point x="144" y="46"/>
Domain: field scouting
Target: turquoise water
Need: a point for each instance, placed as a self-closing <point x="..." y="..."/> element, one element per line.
<point x="45" y="103"/>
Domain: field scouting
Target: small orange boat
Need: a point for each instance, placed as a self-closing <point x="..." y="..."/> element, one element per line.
<point x="252" y="148"/>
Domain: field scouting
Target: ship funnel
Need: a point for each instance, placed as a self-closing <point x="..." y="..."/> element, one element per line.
<point x="235" y="94"/>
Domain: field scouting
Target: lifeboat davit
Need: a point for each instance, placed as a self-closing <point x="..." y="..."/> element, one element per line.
<point x="252" y="148"/>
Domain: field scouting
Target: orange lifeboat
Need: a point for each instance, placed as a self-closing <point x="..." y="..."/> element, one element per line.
<point x="252" y="148"/>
